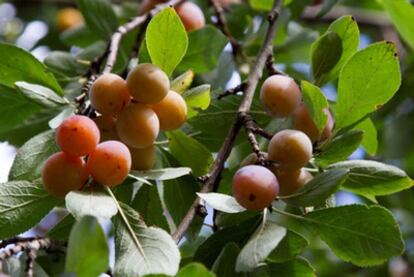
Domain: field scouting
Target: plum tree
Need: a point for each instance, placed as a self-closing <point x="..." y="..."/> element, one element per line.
<point x="62" y="173"/>
<point x="109" y="163"/>
<point x="143" y="158"/>
<point x="171" y="111"/>
<point x="254" y="187"/>
<point x="292" y="149"/>
<point x="77" y="135"/>
<point x="68" y="18"/>
<point x="109" y="94"/>
<point x="302" y="121"/>
<point x="291" y="180"/>
<point x="138" y="125"/>
<point x="280" y="96"/>
<point x="107" y="127"/>
<point x="191" y="15"/>
<point x="148" y="84"/>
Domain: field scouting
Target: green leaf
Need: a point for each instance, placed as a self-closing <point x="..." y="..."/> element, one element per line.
<point x="195" y="269"/>
<point x="88" y="250"/>
<point x="326" y="52"/>
<point x="99" y="17"/>
<point x="265" y="5"/>
<point x="64" y="63"/>
<point x="182" y="145"/>
<point x="92" y="202"/>
<point x="19" y="65"/>
<point x="347" y="29"/>
<point x="203" y="55"/>
<point x="11" y="101"/>
<point x="316" y="191"/>
<point x="161" y="174"/>
<point x="197" y="99"/>
<point x="22" y="205"/>
<point x="148" y="203"/>
<point x="184" y="189"/>
<point x="367" y="81"/>
<point x="262" y="242"/>
<point x="340" y="147"/>
<point x="290" y="246"/>
<point x="208" y="252"/>
<point x="80" y="36"/>
<point x="316" y="103"/>
<point x="225" y="264"/>
<point x="41" y="95"/>
<point x="298" y="267"/>
<point x="164" y="30"/>
<point x="371" y="178"/>
<point x="222" y="202"/>
<point x="142" y="250"/>
<point x="182" y="82"/>
<point x="61" y="230"/>
<point x="16" y="267"/>
<point x="370" y="140"/>
<point x="30" y="157"/>
<point x="362" y="235"/>
<point x="402" y="15"/>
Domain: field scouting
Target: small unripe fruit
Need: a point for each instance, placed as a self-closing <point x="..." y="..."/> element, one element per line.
<point x="280" y="96"/>
<point x="68" y="18"/>
<point x="144" y="158"/>
<point x="110" y="163"/>
<point x="148" y="84"/>
<point x="302" y="121"/>
<point x="255" y="187"/>
<point x="292" y="180"/>
<point x="109" y="94"/>
<point x="107" y="127"/>
<point x="226" y="3"/>
<point x="77" y="135"/>
<point x="171" y="111"/>
<point x="191" y="15"/>
<point x="292" y="149"/>
<point x="62" y="173"/>
<point x="138" y="126"/>
<point x="251" y="159"/>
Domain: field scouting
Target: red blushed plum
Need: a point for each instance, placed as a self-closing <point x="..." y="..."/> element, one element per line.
<point x="280" y="96"/>
<point x="62" y="173"/>
<point x="255" y="187"/>
<point x="78" y="135"/>
<point x="110" y="163"/>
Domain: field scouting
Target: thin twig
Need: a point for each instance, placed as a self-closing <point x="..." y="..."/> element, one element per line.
<point x="31" y="255"/>
<point x="271" y="69"/>
<point x="222" y="24"/>
<point x="232" y="91"/>
<point x="212" y="182"/>
<point x="249" y="126"/>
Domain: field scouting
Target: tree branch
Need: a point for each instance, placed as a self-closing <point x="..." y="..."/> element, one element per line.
<point x="232" y="91"/>
<point x="222" y="24"/>
<point x="214" y="177"/>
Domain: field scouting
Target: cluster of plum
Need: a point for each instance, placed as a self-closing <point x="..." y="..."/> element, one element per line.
<point x="132" y="113"/>
<point x="255" y="186"/>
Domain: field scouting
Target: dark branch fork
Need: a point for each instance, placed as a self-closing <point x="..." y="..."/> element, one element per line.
<point x="213" y="179"/>
<point x="222" y="24"/>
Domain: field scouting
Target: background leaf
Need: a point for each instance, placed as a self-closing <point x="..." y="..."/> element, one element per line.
<point x="19" y="65"/>
<point x="221" y="202"/>
<point x="88" y="250"/>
